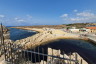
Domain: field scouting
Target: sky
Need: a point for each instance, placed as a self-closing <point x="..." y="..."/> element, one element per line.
<point x="46" y="12"/>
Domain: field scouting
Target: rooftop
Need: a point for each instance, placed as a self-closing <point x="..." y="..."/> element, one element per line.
<point x="91" y="27"/>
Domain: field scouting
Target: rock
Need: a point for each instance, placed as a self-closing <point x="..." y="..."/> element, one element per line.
<point x="43" y="62"/>
<point x="2" y="60"/>
<point x="45" y="36"/>
<point x="5" y="30"/>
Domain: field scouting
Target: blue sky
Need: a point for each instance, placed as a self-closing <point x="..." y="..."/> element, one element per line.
<point x="46" y="12"/>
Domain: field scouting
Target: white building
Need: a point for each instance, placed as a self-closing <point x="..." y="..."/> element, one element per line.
<point x="74" y="30"/>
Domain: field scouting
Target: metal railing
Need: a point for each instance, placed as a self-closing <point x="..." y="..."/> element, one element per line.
<point x="15" y="54"/>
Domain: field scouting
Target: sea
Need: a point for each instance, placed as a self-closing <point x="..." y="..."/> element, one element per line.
<point x="86" y="49"/>
<point x="17" y="34"/>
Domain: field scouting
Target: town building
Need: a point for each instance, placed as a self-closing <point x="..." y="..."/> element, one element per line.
<point x="84" y="30"/>
<point x="92" y="29"/>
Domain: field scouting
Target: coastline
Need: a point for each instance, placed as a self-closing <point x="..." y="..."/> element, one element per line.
<point x="40" y="38"/>
<point x="32" y="29"/>
<point x="45" y="36"/>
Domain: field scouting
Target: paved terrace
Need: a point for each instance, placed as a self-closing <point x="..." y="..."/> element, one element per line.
<point x="92" y="37"/>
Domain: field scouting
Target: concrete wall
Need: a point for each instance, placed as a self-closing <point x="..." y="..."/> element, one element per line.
<point x="73" y="56"/>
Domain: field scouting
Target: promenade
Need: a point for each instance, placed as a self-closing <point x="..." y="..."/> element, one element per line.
<point x="92" y="38"/>
<point x="89" y="36"/>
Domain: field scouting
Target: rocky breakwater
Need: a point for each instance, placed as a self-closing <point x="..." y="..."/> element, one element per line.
<point x="6" y="36"/>
<point x="5" y="32"/>
<point x="43" y="37"/>
<point x="6" y="40"/>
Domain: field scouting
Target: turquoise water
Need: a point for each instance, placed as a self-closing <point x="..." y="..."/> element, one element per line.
<point x="85" y="49"/>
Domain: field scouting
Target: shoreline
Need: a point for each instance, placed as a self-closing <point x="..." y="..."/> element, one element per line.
<point x="46" y="36"/>
<point x="49" y="41"/>
<point x="33" y="29"/>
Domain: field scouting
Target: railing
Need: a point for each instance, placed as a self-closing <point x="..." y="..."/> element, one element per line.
<point x="15" y="54"/>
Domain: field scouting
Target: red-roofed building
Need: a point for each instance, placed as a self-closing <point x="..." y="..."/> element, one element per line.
<point x="92" y="29"/>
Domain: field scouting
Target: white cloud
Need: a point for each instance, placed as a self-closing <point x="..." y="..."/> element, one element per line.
<point x="19" y="20"/>
<point x="29" y="16"/>
<point x="2" y="16"/>
<point x="16" y="18"/>
<point x="81" y="17"/>
<point x="86" y="14"/>
<point x="75" y="10"/>
<point x="64" y="15"/>
<point x="76" y="19"/>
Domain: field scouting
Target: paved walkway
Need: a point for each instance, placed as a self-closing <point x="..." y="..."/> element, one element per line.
<point x="90" y="36"/>
<point x="93" y="38"/>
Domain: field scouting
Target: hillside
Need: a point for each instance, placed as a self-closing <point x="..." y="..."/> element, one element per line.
<point x="80" y="25"/>
<point x="45" y="26"/>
